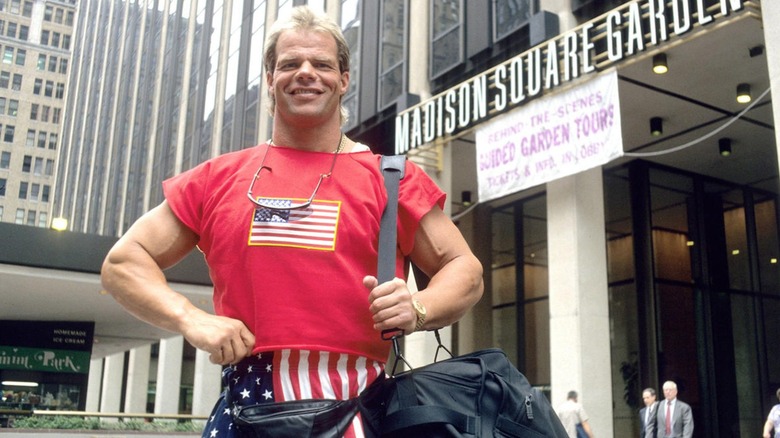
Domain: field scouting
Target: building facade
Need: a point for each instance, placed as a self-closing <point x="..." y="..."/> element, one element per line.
<point x="626" y="219"/>
<point x="36" y="38"/>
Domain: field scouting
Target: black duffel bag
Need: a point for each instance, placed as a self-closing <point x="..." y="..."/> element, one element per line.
<point x="474" y="395"/>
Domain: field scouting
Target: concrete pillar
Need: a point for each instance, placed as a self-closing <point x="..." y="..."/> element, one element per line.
<point x="579" y="304"/>
<point x="207" y="384"/>
<point x="770" y="13"/>
<point x="166" y="399"/>
<point x="111" y="392"/>
<point x="93" y="385"/>
<point x="138" y="379"/>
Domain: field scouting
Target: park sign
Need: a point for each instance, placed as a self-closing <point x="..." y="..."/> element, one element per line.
<point x="36" y="359"/>
<point x="51" y="346"/>
<point x="626" y="31"/>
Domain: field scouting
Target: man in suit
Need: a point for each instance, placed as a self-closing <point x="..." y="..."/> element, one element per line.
<point x="674" y="419"/>
<point x="647" y="413"/>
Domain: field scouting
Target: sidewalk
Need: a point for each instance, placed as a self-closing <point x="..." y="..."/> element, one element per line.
<point x="50" y="433"/>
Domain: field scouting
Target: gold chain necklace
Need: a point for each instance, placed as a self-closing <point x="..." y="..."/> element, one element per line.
<point x="302" y="205"/>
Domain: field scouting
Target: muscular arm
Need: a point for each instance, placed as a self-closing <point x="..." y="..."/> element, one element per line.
<point x="133" y="274"/>
<point x="455" y="286"/>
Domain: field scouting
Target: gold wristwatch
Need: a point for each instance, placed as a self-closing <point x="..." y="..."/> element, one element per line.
<point x="419" y="308"/>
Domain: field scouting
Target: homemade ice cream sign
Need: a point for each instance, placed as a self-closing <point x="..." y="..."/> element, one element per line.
<point x="626" y="31"/>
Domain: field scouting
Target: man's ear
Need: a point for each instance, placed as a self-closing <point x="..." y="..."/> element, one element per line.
<point x="344" y="82"/>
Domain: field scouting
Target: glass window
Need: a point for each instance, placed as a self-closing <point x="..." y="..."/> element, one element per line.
<point x="11" y="30"/>
<point x="2" y="105"/>
<point x="45" y="113"/>
<point x="34" y="111"/>
<point x="35" y="190"/>
<point x="44" y="37"/>
<point x="5" y="78"/>
<point x="31" y="217"/>
<point x="520" y="295"/>
<point x="63" y="65"/>
<point x="52" y="63"/>
<point x="60" y="90"/>
<point x="41" y="62"/>
<point x="5" y="160"/>
<point x="37" y="86"/>
<point x="30" y="138"/>
<point x="350" y="25"/>
<point x="26" y="163"/>
<point x="19" y="216"/>
<point x="66" y="42"/>
<point x="69" y="18"/>
<point x="23" y="186"/>
<point x="392" y="56"/>
<point x="49" y="170"/>
<point x="43" y="219"/>
<point x="8" y="55"/>
<point x="53" y="141"/>
<point x="3" y="183"/>
<point x="38" y="166"/>
<point x="21" y="56"/>
<point x="55" y="39"/>
<point x="49" y="89"/>
<point x="27" y="9"/>
<point x="58" y="15"/>
<point x="55" y="115"/>
<point x="509" y="16"/>
<point x="446" y="49"/>
<point x="16" y="85"/>
<point x="42" y="140"/>
<point x="47" y="12"/>
<point x="24" y="32"/>
<point x="8" y="135"/>
<point x="16" y="6"/>
<point x="13" y="107"/>
<point x="45" y="194"/>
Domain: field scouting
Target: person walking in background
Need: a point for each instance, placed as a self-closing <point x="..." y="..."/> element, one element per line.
<point x="648" y="412"/>
<point x="289" y="230"/>
<point x="572" y="415"/>
<point x="674" y="418"/>
<point x="773" y="420"/>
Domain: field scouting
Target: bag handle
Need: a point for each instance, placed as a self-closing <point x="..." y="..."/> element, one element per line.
<point x="393" y="169"/>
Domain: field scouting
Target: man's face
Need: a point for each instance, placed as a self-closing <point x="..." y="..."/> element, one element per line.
<point x="670" y="392"/>
<point x="648" y="398"/>
<point x="307" y="83"/>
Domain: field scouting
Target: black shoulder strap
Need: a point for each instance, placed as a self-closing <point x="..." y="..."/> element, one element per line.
<point x="393" y="167"/>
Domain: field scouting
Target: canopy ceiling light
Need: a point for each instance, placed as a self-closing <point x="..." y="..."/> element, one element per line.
<point x="659" y="64"/>
<point x="656" y="126"/>
<point x="724" y="146"/>
<point x="743" y="93"/>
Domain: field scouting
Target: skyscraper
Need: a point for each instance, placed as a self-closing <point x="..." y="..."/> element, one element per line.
<point x="35" y="43"/>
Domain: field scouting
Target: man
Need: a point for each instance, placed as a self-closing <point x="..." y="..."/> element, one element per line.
<point x="773" y="420"/>
<point x="648" y="412"/>
<point x="674" y="417"/>
<point x="298" y="310"/>
<point x="573" y="414"/>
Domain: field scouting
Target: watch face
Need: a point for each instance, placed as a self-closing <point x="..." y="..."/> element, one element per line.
<point x="419" y="307"/>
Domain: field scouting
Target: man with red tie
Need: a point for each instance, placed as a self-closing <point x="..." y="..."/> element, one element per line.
<point x="674" y="419"/>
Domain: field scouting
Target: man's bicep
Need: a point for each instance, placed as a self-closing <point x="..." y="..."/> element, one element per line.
<point x="162" y="235"/>
<point x="436" y="242"/>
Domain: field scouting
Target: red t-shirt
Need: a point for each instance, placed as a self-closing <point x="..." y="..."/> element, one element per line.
<point x="295" y="277"/>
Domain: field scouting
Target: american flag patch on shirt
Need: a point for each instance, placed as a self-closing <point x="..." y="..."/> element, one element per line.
<point x="312" y="228"/>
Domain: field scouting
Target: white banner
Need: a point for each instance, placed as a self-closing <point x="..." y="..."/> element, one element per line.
<point x="550" y="138"/>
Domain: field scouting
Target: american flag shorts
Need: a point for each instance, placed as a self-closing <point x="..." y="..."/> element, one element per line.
<point x="291" y="375"/>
